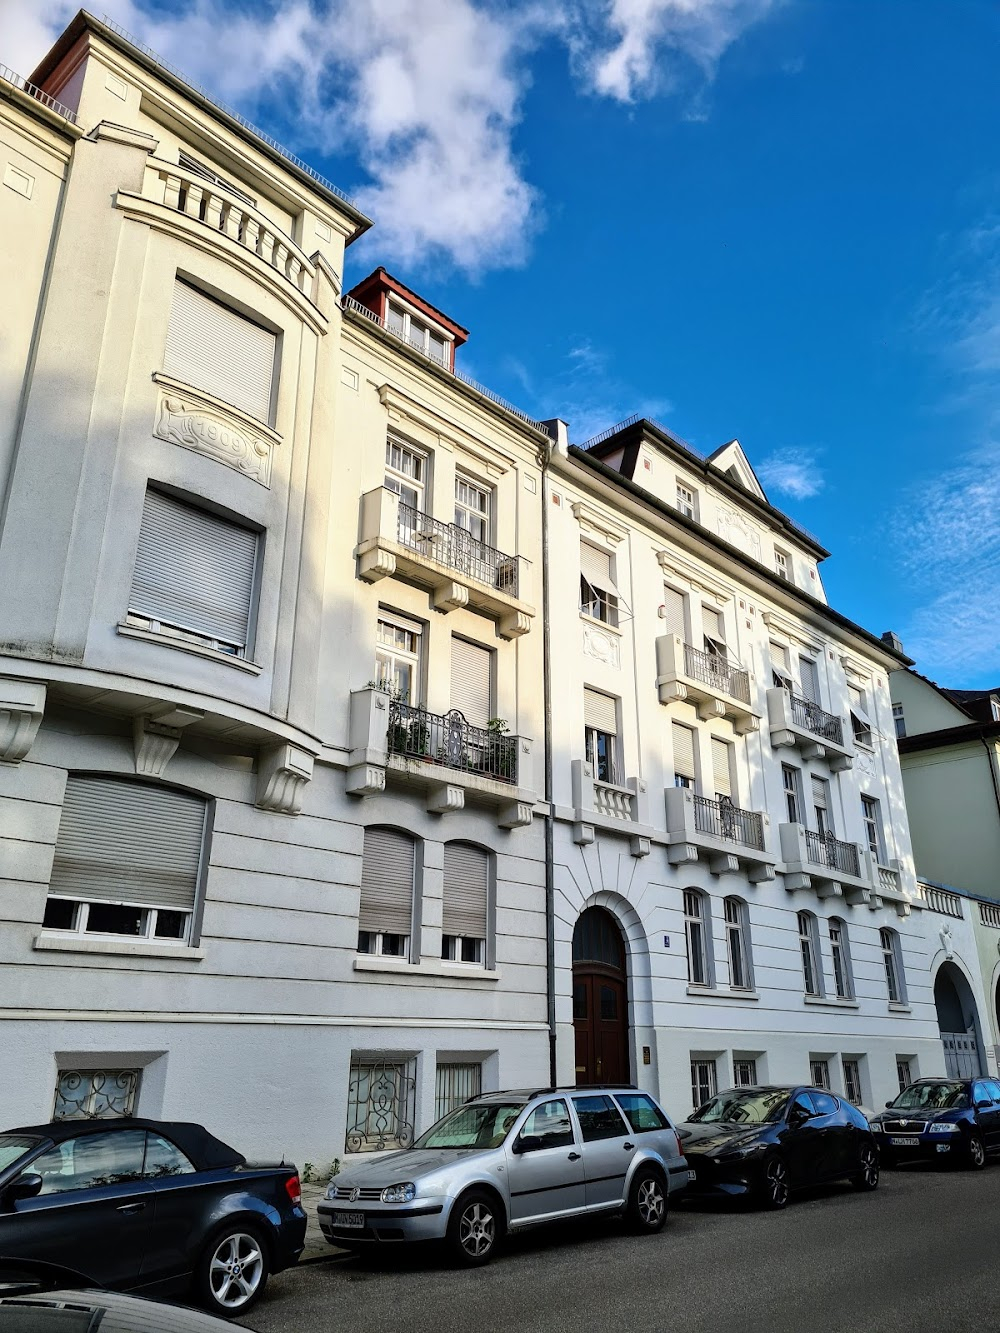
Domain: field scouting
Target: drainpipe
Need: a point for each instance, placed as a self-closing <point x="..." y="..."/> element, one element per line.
<point x="559" y="433"/>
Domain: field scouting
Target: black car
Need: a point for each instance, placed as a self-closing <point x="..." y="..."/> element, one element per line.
<point x="149" y="1206"/>
<point x="762" y="1143"/>
<point x="952" y="1119"/>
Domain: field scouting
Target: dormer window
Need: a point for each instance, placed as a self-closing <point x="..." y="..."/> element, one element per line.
<point x="417" y="333"/>
<point x="687" y="501"/>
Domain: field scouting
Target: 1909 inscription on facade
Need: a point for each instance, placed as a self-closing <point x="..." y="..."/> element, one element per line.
<point x="190" y="423"/>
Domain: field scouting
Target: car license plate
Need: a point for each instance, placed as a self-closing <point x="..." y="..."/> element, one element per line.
<point x="348" y="1219"/>
<point x="905" y="1143"/>
<point x="691" y="1176"/>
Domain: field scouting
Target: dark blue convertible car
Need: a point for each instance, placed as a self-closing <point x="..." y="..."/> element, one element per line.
<point x="149" y="1206"/>
<point x="950" y="1119"/>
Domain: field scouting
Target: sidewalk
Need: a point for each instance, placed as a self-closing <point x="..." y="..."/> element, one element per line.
<point x="317" y="1246"/>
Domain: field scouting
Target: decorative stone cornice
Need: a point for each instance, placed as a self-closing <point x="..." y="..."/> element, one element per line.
<point x="444" y="797"/>
<point x="796" y="633"/>
<point x="282" y="773"/>
<point x="22" y="706"/>
<point x="596" y="521"/>
<point x="156" y="736"/>
<point x="199" y="421"/>
<point x="672" y="562"/>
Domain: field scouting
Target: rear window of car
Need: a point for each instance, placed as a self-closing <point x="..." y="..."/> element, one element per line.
<point x="641" y="1112"/>
<point x="823" y="1103"/>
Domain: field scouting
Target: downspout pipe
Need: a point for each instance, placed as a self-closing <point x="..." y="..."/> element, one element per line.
<point x="559" y="434"/>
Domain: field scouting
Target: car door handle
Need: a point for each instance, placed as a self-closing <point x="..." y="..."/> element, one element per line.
<point x="574" y="1157"/>
<point x="628" y="1146"/>
<point x="130" y="1207"/>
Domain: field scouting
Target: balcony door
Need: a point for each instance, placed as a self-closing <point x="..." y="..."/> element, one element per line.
<point x="600" y="999"/>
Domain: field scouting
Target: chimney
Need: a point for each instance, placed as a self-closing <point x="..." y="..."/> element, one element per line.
<point x="559" y="434"/>
<point x="892" y="640"/>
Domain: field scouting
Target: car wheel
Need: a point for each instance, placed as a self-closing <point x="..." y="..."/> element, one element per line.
<point x="647" y="1201"/>
<point x="975" y="1153"/>
<point x="233" y="1271"/>
<point x="475" y="1227"/>
<point x="867" y="1176"/>
<point x="774" y="1188"/>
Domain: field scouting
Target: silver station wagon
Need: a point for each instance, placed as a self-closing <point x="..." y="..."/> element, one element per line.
<point x="508" y="1160"/>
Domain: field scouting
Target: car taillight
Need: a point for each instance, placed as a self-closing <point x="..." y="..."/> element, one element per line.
<point x="293" y="1189"/>
<point x="677" y="1140"/>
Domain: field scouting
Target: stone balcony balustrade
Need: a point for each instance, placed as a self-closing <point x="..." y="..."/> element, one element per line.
<point x="838" y="869"/>
<point x="715" y="685"/>
<point x="614" y="807"/>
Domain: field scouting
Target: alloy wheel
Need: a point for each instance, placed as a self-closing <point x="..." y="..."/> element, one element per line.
<point x="649" y="1202"/>
<point x="977" y="1153"/>
<point x="869" y="1167"/>
<point x="776" y="1178"/>
<point x="477" y="1230"/>
<point x="235" y="1270"/>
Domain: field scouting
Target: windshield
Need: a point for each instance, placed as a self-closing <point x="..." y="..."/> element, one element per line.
<point x="482" y="1125"/>
<point x="932" y="1097"/>
<point x="747" y="1106"/>
<point x="13" y="1146"/>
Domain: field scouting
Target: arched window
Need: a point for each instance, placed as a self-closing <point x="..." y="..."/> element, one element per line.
<point x="738" y="944"/>
<point x="812" y="975"/>
<point x="127" y="860"/>
<point x="698" y="933"/>
<point x="388" y="870"/>
<point x="843" y="977"/>
<point x="892" y="956"/>
<point x="465" y="911"/>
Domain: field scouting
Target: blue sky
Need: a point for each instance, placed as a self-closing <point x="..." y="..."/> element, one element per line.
<point x="777" y="220"/>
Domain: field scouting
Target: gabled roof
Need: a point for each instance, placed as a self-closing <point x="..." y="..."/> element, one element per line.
<point x="731" y="460"/>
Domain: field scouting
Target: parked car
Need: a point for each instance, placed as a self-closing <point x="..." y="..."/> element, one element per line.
<point x="765" y="1142"/>
<point x="48" y="1299"/>
<point x="149" y="1206"/>
<point x="508" y="1160"/>
<point x="957" y="1119"/>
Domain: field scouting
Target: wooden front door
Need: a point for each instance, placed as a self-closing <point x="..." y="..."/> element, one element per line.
<point x="600" y="1019"/>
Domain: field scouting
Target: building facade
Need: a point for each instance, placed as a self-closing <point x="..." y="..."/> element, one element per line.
<point x="362" y="743"/>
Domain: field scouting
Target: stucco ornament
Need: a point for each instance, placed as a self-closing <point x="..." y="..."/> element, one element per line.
<point x="946" y="938"/>
<point x="194" y="426"/>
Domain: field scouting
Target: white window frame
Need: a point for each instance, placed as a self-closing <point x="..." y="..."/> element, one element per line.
<point x="396" y="478"/>
<point x="387" y="655"/>
<point x="704" y="1078"/>
<point x="467" y="514"/>
<point x="780" y="658"/>
<point x="898" y="721"/>
<point x="149" y="919"/>
<point x="892" y="958"/>
<point x="871" y="815"/>
<point x="377" y="944"/>
<point x="452" y="947"/>
<point x="812" y="972"/>
<point x="744" y="1072"/>
<point x="418" y="331"/>
<point x="593" y="736"/>
<point x="821" y="812"/>
<point x="791" y="783"/>
<point x="712" y="646"/>
<point x="781" y="564"/>
<point x="852" y="1079"/>
<point x="819" y="1074"/>
<point x="698" y="937"/>
<point x="738" y="943"/>
<point x="599" y="603"/>
<point x="840" y="951"/>
<point x="687" y="500"/>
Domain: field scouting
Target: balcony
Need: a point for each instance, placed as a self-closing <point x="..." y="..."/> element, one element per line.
<point x="438" y="753"/>
<point x="800" y="724"/>
<point x="612" y="806"/>
<point x="398" y="541"/>
<point x="730" y="839"/>
<point x="835" y="869"/>
<point x="943" y="901"/>
<point x="716" y="686"/>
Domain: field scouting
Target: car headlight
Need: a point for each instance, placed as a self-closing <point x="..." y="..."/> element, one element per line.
<point x="331" y="1190"/>
<point x="943" y="1127"/>
<point x="876" y="1128"/>
<point x="745" y="1150"/>
<point x="399" y="1193"/>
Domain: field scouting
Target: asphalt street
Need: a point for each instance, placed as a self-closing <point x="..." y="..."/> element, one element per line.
<point x="921" y="1253"/>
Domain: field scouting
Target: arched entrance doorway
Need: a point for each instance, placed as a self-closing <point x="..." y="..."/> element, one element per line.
<point x="958" y="1023"/>
<point x="600" y="999"/>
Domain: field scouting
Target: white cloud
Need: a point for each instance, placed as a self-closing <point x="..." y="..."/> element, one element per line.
<point x="793" y="472"/>
<point x="426" y="97"/>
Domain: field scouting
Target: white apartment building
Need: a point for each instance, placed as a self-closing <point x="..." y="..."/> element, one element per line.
<point x="362" y="744"/>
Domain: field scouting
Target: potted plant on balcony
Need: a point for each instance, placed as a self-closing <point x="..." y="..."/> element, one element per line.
<point x="501" y="756"/>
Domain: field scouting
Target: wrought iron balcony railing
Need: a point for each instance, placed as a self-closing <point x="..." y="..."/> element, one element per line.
<point x="448" y="544"/>
<point x="811" y="717"/>
<point x="717" y="671"/>
<point x="447" y="739"/>
<point x="722" y="819"/>
<point x="823" y="849"/>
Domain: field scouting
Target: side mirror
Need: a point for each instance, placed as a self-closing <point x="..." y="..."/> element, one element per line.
<point x="798" y="1115"/>
<point x="26" y="1186"/>
<point x="888" y="1106"/>
<point x="525" y="1143"/>
<point x="983" y="1106"/>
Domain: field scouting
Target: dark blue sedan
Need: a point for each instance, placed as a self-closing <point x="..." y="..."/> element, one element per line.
<point x="149" y="1206"/>
<point x="951" y="1119"/>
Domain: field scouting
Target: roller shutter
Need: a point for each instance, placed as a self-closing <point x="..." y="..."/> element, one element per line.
<point x="721" y="773"/>
<point x="599" y="712"/>
<point x="128" y="842"/>
<point x="673" y="612"/>
<point x="211" y="347"/>
<point x="466" y="890"/>
<point x="683" y="739"/>
<point x="471" y="680"/>
<point x="194" y="570"/>
<point x="387" y="882"/>
<point x="809" y="678"/>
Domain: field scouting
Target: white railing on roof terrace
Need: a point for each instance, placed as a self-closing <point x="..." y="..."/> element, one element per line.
<point x="940" y="900"/>
<point x="9" y="76"/>
<point x="351" y="303"/>
<point x="215" y="206"/>
<point x="989" y="914"/>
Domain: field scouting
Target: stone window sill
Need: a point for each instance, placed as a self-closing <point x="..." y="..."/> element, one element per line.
<point x="121" y="948"/>
<point x="399" y="967"/>
<point x="830" y="1002"/>
<point x="899" y="1008"/>
<point x="600" y="624"/>
<point x="722" y="993"/>
<point x="188" y="646"/>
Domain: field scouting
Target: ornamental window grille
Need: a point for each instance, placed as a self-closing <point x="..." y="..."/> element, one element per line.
<point x="381" y="1100"/>
<point x="95" y="1094"/>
